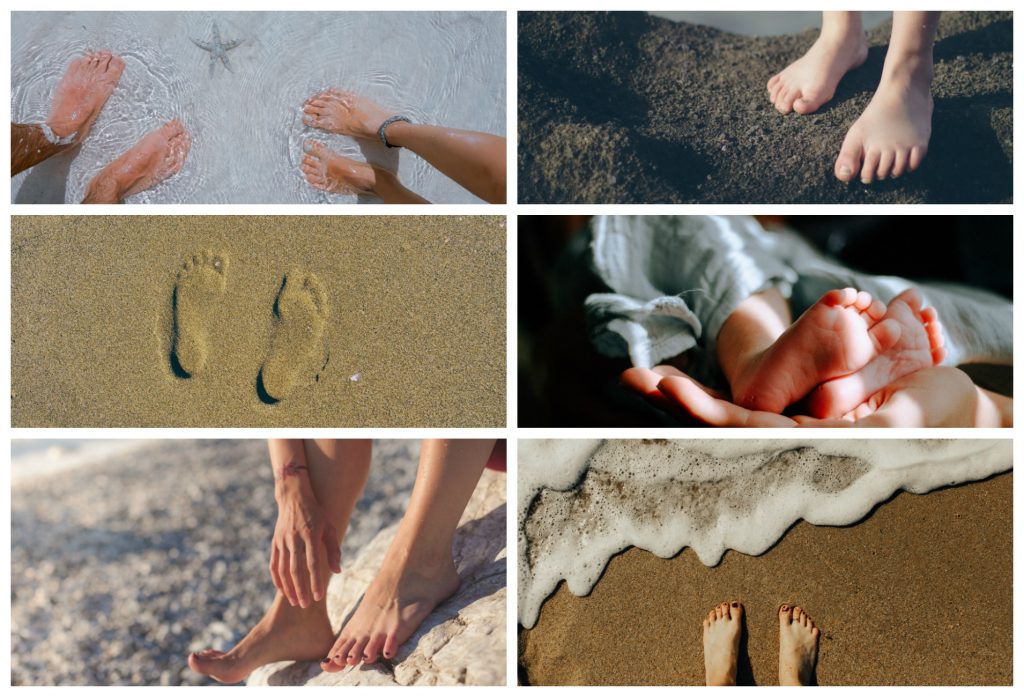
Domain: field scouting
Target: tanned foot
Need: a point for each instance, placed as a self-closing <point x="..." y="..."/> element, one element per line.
<point x="798" y="646"/>
<point x="82" y="92"/>
<point x="158" y="156"/>
<point x="891" y="136"/>
<point x="326" y="170"/>
<point x="840" y="334"/>
<point x="722" y="629"/>
<point x="285" y="633"/>
<point x="392" y="608"/>
<point x="339" y="111"/>
<point x="920" y="345"/>
<point x="810" y="81"/>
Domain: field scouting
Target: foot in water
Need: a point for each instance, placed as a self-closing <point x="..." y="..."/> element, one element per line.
<point x="891" y="136"/>
<point x="285" y="633"/>
<point x="722" y="628"/>
<point x="838" y="335"/>
<point x="297" y="351"/>
<point x="346" y="113"/>
<point x="159" y="155"/>
<point x="404" y="592"/>
<point x="200" y="283"/>
<point x="82" y="92"/>
<point x="920" y="345"/>
<point x="798" y="646"/>
<point x="810" y="81"/>
<point x="328" y="171"/>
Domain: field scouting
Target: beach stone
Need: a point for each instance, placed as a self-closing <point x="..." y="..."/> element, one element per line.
<point x="462" y="642"/>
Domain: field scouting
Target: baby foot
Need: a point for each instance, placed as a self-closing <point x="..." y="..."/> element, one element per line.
<point x="297" y="350"/>
<point x="722" y="628"/>
<point x="158" y="156"/>
<point x="798" y="646"/>
<point x="344" y="112"/>
<point x="82" y="92"/>
<point x="920" y="345"/>
<point x="393" y="607"/>
<point x="810" y="81"/>
<point x="840" y="334"/>
<point x="201" y="281"/>
<point x="285" y="633"/>
<point x="328" y="171"/>
<point x="891" y="136"/>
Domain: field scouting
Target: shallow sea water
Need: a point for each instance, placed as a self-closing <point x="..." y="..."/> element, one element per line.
<point x="445" y="68"/>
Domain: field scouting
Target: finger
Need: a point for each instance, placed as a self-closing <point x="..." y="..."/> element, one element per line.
<point x="287" y="587"/>
<point x="274" y="560"/>
<point x="333" y="550"/>
<point x="315" y="564"/>
<point x="716" y="412"/>
<point x="299" y="574"/>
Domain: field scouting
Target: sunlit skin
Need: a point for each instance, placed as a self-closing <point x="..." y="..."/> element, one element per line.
<point x="843" y="349"/>
<point x="80" y="95"/>
<point x="159" y="155"/>
<point x="475" y="161"/>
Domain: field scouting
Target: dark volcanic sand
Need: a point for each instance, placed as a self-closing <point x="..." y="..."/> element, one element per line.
<point x="630" y="108"/>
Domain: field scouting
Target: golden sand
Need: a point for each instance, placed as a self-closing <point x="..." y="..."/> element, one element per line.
<point x="921" y="592"/>
<point x="414" y="331"/>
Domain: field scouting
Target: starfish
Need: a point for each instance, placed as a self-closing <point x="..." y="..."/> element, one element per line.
<point x="217" y="48"/>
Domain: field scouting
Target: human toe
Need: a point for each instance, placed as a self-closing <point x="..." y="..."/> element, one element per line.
<point x="785" y="614"/>
<point x="899" y="165"/>
<point x="355" y="653"/>
<point x="848" y="162"/>
<point x="885" y="161"/>
<point x="373" y="648"/>
<point x="869" y="169"/>
<point x="784" y="100"/>
<point x="810" y="101"/>
<point x="390" y="646"/>
<point x="736" y="609"/>
<point x="917" y="154"/>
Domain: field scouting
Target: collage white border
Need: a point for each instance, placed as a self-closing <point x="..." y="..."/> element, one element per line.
<point x="511" y="210"/>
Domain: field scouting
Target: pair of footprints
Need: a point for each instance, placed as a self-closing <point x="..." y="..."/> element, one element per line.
<point x="296" y="354"/>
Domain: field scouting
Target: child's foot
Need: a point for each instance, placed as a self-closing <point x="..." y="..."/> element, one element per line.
<point x="285" y="633"/>
<point x="798" y="646"/>
<point x="722" y="629"/>
<point x="401" y="596"/>
<point x="156" y="157"/>
<point x="838" y="335"/>
<point x="920" y="345"/>
<point x="82" y="92"/>
<point x="811" y="80"/>
<point x="891" y="136"/>
<point x="347" y="113"/>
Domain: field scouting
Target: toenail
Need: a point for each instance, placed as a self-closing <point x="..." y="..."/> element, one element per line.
<point x="735" y="604"/>
<point x="844" y="170"/>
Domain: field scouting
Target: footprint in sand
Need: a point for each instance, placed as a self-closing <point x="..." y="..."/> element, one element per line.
<point x="201" y="282"/>
<point x="297" y="352"/>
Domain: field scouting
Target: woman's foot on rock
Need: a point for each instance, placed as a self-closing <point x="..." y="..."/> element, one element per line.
<point x="891" y="136"/>
<point x="401" y="596"/>
<point x="810" y="81"/>
<point x="347" y="113"/>
<point x="722" y="628"/>
<point x="285" y="633"/>
<point x="158" y="156"/>
<point x="798" y="646"/>
<point x="82" y="92"/>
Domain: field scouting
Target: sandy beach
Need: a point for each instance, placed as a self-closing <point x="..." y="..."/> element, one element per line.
<point x="413" y="321"/>
<point x="918" y="593"/>
<point x="648" y="110"/>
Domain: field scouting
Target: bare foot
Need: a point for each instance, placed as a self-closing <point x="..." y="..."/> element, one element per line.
<point x="891" y="136"/>
<point x="159" y="155"/>
<point x="344" y="112"/>
<point x="326" y="170"/>
<point x="840" y="334"/>
<point x="798" y="646"/>
<point x="396" y="602"/>
<point x="285" y="633"/>
<point x="722" y="629"/>
<point x="82" y="92"/>
<point x="920" y="345"/>
<point x="810" y="81"/>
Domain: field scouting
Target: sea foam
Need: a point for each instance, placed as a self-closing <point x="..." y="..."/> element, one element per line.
<point x="583" y="501"/>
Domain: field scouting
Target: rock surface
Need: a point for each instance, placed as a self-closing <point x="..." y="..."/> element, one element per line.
<point x="631" y="108"/>
<point x="462" y="642"/>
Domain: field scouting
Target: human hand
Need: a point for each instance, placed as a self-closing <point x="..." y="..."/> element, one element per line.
<point x="347" y="113"/>
<point x="304" y="546"/>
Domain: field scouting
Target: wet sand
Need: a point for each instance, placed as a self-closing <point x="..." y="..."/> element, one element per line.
<point x="920" y="592"/>
<point x="415" y="333"/>
<point x="624" y="107"/>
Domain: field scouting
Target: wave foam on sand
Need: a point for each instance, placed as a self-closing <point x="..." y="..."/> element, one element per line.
<point x="582" y="502"/>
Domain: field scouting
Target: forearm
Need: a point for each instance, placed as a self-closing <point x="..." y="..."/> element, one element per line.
<point x="291" y="471"/>
<point x="993" y="410"/>
<point x="30" y="146"/>
<point x="476" y="161"/>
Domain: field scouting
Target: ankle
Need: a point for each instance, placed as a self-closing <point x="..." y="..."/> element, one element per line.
<point x="908" y="69"/>
<point x="103" y="189"/>
<point x="842" y="27"/>
<point x="430" y="561"/>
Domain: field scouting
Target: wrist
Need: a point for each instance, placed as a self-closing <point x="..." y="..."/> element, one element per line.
<point x="292" y="480"/>
<point x="397" y="132"/>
